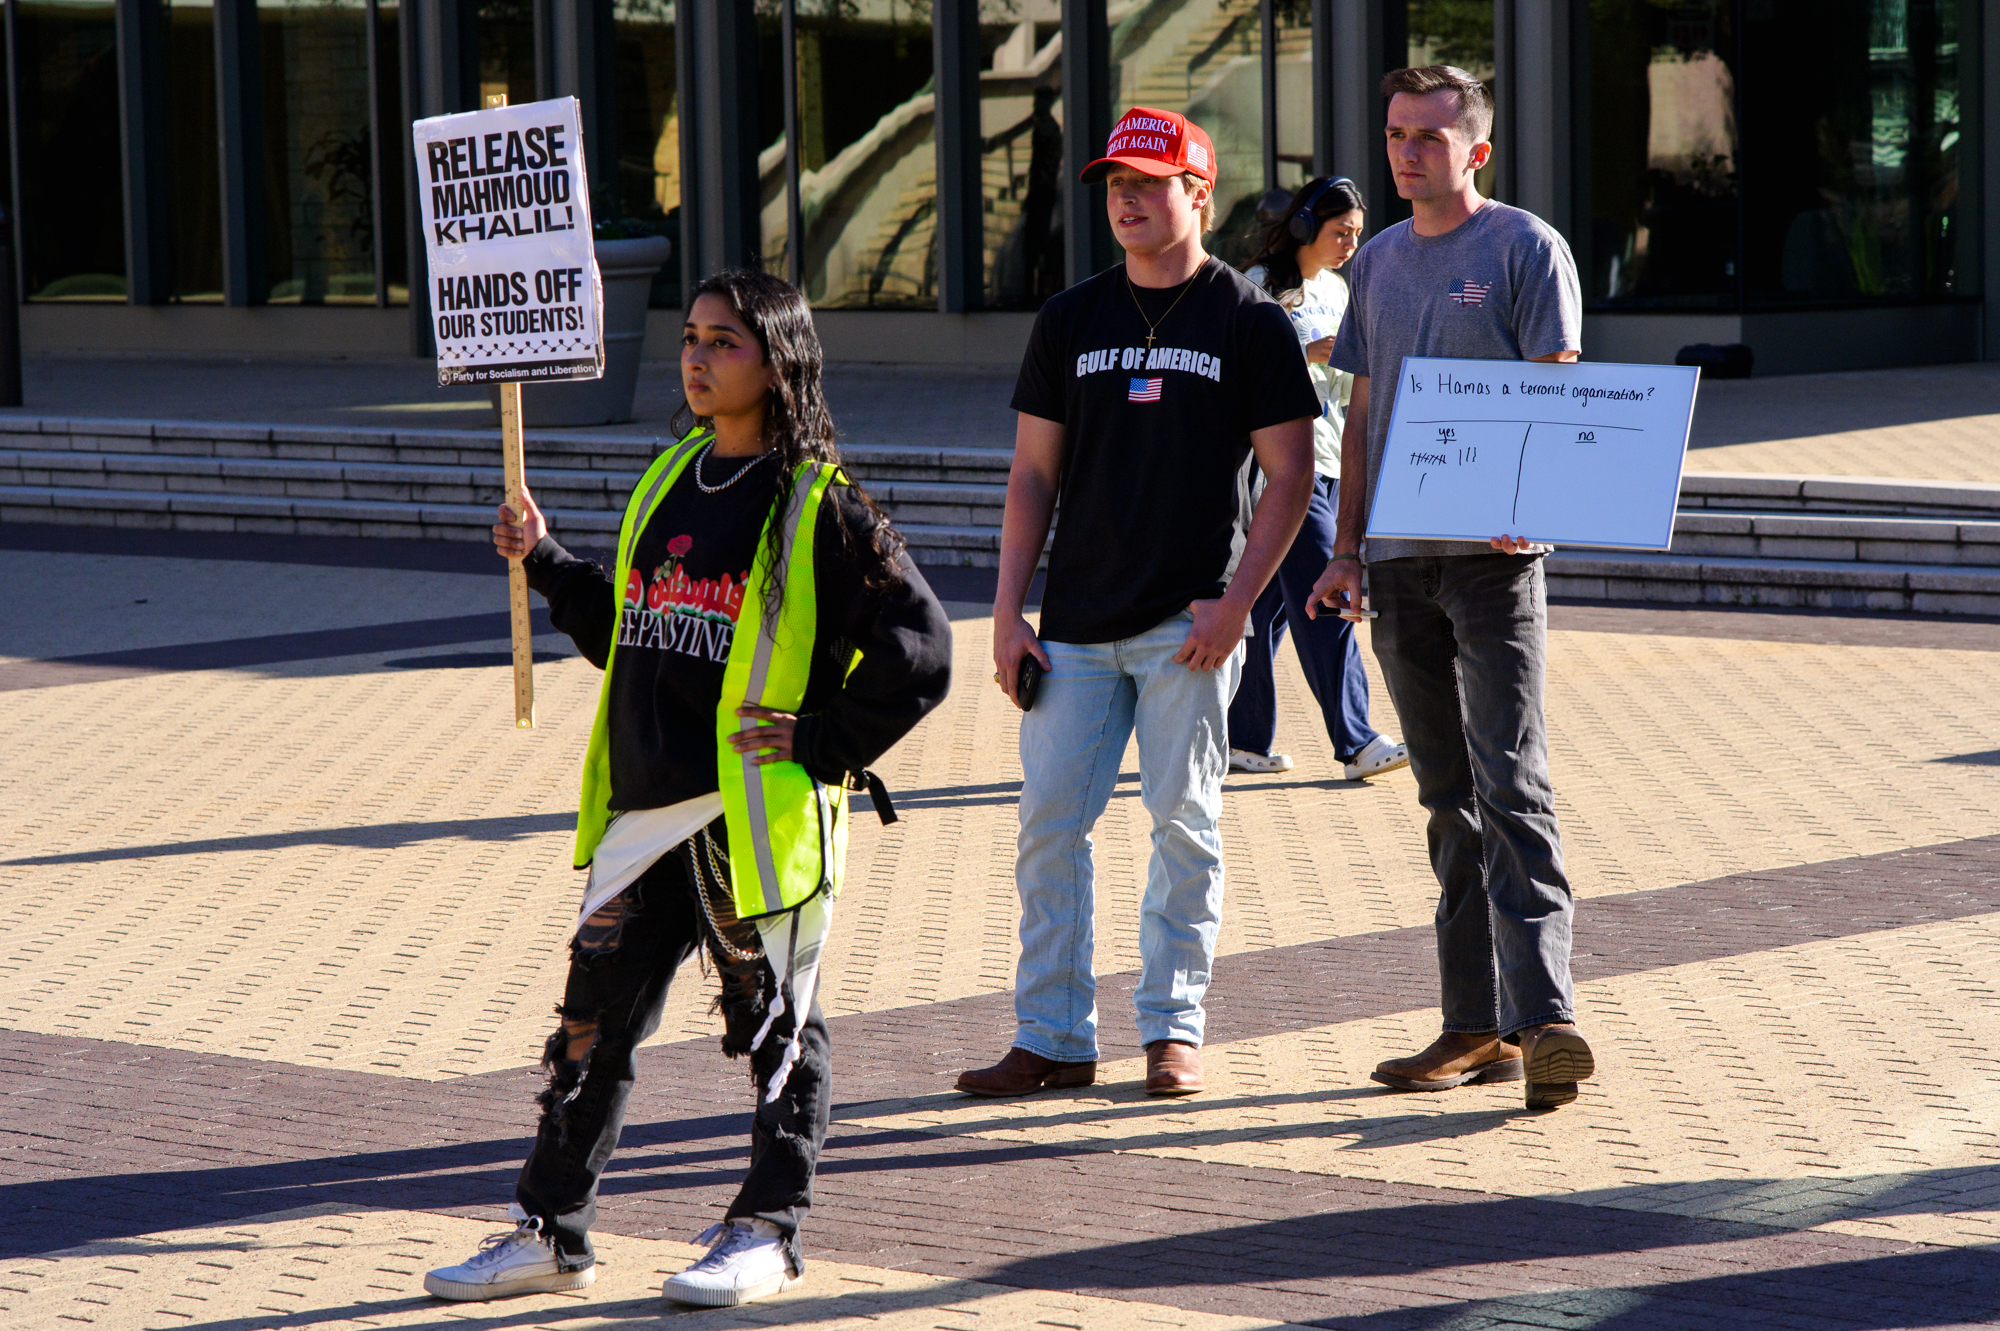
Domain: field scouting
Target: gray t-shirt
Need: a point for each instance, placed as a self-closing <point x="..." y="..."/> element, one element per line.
<point x="1499" y="286"/>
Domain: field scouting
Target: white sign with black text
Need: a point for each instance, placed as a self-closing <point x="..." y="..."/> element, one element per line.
<point x="1577" y="454"/>
<point x="514" y="290"/>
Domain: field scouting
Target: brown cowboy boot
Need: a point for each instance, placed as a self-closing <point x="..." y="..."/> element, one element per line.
<point x="1556" y="1058"/>
<point x="1024" y="1073"/>
<point x="1453" y="1059"/>
<point x="1173" y="1067"/>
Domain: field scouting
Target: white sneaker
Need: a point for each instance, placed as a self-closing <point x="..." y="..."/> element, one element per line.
<point x="747" y="1261"/>
<point x="1243" y="760"/>
<point x="523" y="1262"/>
<point x="1382" y="755"/>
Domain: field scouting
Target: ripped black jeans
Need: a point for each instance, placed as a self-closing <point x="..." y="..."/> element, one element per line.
<point x="619" y="971"/>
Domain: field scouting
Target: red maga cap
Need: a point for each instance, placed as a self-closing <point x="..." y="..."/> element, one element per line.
<point x="1160" y="143"/>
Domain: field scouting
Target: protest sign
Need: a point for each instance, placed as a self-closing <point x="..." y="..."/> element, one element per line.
<point x="1576" y="454"/>
<point x="514" y="290"/>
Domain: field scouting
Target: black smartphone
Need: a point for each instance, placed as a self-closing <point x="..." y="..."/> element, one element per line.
<point x="1029" y="682"/>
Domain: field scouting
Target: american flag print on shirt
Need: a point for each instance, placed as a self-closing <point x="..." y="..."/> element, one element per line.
<point x="1145" y="390"/>
<point x="1469" y="292"/>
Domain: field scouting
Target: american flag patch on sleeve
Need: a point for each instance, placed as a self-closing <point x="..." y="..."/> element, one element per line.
<point x="1144" y="390"/>
<point x="1469" y="292"/>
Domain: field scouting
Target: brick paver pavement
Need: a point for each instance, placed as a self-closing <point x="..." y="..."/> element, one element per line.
<point x="280" y="932"/>
<point x="1935" y="422"/>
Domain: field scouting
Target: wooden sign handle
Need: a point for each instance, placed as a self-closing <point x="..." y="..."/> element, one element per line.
<point x="517" y="576"/>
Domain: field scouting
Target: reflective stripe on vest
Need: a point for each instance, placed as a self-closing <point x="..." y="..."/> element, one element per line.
<point x="793" y="829"/>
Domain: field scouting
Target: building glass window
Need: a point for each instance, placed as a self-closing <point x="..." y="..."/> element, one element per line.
<point x="647" y="193"/>
<point x="1851" y="180"/>
<point x="1839" y="189"/>
<point x="194" y="188"/>
<point x="1021" y="161"/>
<point x="1449" y="32"/>
<point x="391" y="146"/>
<point x="1663" y="156"/>
<point x="1202" y="58"/>
<point x="867" y="157"/>
<point x="1292" y="65"/>
<point x="67" y="80"/>
<point x="318" y="161"/>
<point x="507" y="50"/>
<point x="772" y="217"/>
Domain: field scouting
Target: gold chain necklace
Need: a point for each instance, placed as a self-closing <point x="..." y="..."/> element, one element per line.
<point x="1153" y="324"/>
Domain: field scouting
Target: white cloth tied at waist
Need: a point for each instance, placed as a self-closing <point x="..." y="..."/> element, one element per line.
<point x="635" y="841"/>
<point x="793" y="940"/>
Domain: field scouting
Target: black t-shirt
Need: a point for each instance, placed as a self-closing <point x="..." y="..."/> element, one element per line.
<point x="676" y="620"/>
<point x="1153" y="508"/>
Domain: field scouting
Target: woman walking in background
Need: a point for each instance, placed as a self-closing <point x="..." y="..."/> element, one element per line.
<point x="1298" y="264"/>
<point x="733" y="717"/>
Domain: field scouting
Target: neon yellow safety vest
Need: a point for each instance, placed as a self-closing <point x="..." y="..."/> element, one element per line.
<point x="787" y="832"/>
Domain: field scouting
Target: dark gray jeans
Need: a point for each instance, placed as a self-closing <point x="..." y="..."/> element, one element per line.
<point x="1462" y="640"/>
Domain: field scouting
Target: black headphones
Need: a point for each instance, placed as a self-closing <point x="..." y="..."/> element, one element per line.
<point x="1305" y="223"/>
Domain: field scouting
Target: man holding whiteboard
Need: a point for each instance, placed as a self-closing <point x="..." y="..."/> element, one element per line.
<point x="1462" y="628"/>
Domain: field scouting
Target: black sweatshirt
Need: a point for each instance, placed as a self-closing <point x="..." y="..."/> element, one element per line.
<point x="677" y="618"/>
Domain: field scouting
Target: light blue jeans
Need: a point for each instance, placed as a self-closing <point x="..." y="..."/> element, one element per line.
<point x="1093" y="699"/>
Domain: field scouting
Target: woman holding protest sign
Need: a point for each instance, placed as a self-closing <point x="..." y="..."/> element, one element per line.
<point x="1298" y="263"/>
<point x="765" y="638"/>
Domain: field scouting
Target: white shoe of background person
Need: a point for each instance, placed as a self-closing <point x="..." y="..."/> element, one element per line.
<point x="1381" y="755"/>
<point x="1243" y="760"/>
<point x="523" y="1262"/>
<point x="746" y="1261"/>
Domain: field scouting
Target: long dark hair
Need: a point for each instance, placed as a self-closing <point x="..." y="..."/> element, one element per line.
<point x="797" y="425"/>
<point x="1279" y="250"/>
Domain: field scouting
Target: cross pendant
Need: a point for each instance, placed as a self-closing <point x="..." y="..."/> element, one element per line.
<point x="1149" y="341"/>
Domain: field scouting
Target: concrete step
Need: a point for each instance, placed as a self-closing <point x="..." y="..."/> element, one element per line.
<point x="1830" y="542"/>
<point x="315" y="444"/>
<point x="948" y="504"/>
<point x="1749" y="492"/>
<point x="1870" y="495"/>
<point x="872" y="463"/>
<point x="1821" y="584"/>
<point x="374" y="482"/>
<point x="954" y="488"/>
<point x="941" y="545"/>
<point x="952" y="503"/>
<point x="281" y="516"/>
<point x="628" y="454"/>
<point x="1842" y="537"/>
<point x="930" y="543"/>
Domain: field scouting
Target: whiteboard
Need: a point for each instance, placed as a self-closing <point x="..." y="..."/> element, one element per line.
<point x="1577" y="454"/>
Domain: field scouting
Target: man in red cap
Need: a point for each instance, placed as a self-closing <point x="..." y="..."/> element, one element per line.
<point x="1144" y="392"/>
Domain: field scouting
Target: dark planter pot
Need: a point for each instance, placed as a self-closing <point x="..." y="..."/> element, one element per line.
<point x="628" y="267"/>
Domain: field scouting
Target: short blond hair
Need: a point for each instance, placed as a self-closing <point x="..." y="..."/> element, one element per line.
<point x="1188" y="181"/>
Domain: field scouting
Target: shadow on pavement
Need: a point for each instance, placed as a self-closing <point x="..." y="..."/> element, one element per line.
<point x="375" y="835"/>
<point x="1380" y="1244"/>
